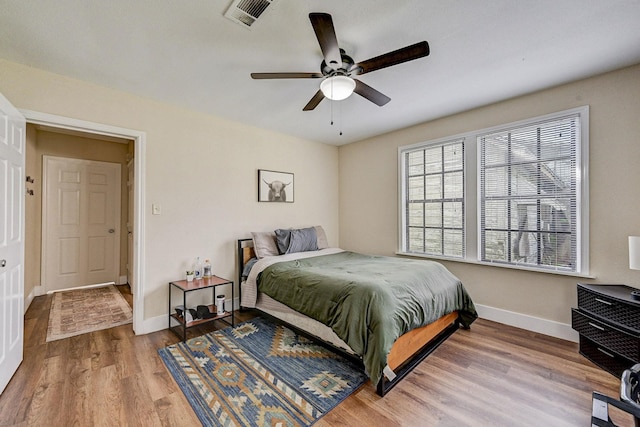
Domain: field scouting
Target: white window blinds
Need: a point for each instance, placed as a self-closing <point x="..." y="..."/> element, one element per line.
<point x="434" y="199"/>
<point x="529" y="195"/>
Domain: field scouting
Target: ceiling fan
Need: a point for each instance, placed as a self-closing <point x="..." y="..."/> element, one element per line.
<point x="337" y="68"/>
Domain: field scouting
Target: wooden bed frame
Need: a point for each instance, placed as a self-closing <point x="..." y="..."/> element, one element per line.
<point x="408" y="350"/>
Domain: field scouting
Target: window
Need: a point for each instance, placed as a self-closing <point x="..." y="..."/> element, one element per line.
<point x="434" y="202"/>
<point x="528" y="198"/>
<point x="513" y="195"/>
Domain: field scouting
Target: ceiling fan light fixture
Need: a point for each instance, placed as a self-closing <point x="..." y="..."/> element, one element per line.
<point x="337" y="88"/>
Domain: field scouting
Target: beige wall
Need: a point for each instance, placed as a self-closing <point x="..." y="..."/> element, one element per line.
<point x="41" y="143"/>
<point x="369" y="196"/>
<point x="201" y="170"/>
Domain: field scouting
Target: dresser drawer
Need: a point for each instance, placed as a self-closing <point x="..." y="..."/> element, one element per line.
<point x="616" y="340"/>
<point x="602" y="357"/>
<point x="615" y="311"/>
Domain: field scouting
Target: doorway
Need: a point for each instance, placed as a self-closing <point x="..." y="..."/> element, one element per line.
<point x="133" y="273"/>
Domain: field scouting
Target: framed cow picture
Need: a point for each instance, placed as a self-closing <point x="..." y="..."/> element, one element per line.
<point x="275" y="186"/>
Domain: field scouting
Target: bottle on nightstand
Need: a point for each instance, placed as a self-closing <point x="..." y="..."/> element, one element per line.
<point x="206" y="270"/>
<point x="197" y="269"/>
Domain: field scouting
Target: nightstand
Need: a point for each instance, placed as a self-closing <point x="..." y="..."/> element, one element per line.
<point x="197" y="285"/>
<point x="608" y="321"/>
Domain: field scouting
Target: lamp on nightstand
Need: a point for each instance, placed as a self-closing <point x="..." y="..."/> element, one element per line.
<point x="634" y="259"/>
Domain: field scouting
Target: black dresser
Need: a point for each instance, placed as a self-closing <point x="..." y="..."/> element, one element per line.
<point x="608" y="321"/>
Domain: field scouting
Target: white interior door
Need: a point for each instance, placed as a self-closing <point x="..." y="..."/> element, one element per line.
<point x="81" y="223"/>
<point x="12" y="185"/>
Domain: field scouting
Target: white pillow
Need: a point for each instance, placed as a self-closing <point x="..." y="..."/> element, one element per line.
<point x="264" y="244"/>
<point x="323" y="243"/>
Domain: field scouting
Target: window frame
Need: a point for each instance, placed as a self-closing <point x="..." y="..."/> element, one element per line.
<point x="472" y="197"/>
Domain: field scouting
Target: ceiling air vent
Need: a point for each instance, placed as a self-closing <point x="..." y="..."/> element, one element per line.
<point x="247" y="12"/>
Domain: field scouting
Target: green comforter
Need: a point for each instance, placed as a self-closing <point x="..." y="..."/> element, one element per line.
<point x="368" y="301"/>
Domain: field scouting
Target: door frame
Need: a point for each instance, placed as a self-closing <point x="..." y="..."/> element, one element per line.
<point x="139" y="139"/>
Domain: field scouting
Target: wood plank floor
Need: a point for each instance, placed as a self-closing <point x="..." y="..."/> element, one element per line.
<point x="491" y="375"/>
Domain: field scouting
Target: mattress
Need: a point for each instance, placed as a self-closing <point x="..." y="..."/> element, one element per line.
<point x="280" y="311"/>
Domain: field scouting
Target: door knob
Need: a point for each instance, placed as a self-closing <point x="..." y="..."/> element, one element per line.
<point x="3" y="262"/>
<point x="111" y="230"/>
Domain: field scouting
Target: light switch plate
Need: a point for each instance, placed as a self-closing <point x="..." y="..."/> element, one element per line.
<point x="155" y="209"/>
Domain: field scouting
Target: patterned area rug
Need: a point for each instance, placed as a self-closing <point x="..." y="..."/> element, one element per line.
<point x="260" y="374"/>
<point x="86" y="310"/>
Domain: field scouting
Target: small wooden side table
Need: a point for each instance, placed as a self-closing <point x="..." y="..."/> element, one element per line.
<point x="180" y="325"/>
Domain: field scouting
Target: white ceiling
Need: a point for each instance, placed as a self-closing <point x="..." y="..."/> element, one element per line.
<point x="186" y="53"/>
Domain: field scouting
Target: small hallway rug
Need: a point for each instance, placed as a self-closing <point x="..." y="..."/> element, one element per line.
<point x="82" y="311"/>
<point x="260" y="374"/>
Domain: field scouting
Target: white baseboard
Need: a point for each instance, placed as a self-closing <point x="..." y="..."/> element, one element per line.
<point x="35" y="292"/>
<point x="122" y="280"/>
<point x="97" y="285"/>
<point x="154" y="324"/>
<point x="511" y="318"/>
<point x="530" y="323"/>
<point x="29" y="299"/>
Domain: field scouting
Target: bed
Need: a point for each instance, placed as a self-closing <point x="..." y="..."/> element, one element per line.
<point x="336" y="297"/>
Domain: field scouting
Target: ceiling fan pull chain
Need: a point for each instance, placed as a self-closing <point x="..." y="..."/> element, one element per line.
<point x="331" y="110"/>
<point x="340" y="117"/>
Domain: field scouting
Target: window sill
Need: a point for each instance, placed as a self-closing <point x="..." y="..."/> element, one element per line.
<point x="489" y="264"/>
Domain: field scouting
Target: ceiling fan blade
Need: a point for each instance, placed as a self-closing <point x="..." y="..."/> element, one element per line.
<point x="396" y="57"/>
<point x="371" y="94"/>
<point x="319" y="96"/>
<point x="286" y="75"/>
<point x="326" y="34"/>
